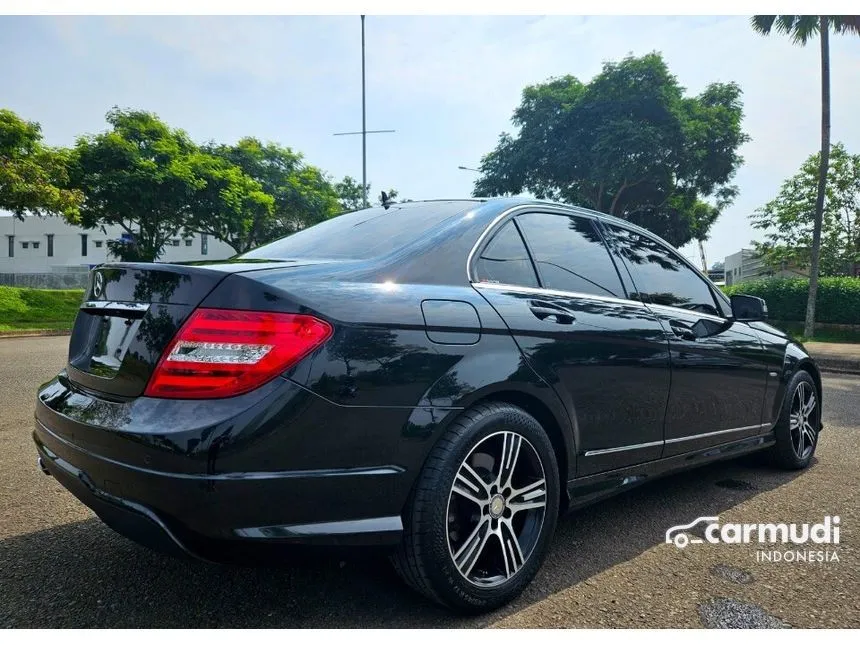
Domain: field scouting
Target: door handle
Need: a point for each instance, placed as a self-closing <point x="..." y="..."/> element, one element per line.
<point x="682" y="332"/>
<point x="562" y="317"/>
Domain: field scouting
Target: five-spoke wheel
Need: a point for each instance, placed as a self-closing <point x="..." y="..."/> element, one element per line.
<point x="796" y="432"/>
<point x="483" y="511"/>
<point x="803" y="420"/>
<point x="496" y="508"/>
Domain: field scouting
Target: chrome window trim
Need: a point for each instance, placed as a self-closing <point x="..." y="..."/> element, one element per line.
<point x="553" y="292"/>
<point x="651" y="444"/>
<point x="688" y="312"/>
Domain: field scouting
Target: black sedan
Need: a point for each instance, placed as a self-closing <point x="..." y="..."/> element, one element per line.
<point x="441" y="378"/>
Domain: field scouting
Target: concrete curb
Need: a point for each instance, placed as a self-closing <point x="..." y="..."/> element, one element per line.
<point x="838" y="365"/>
<point x="32" y="333"/>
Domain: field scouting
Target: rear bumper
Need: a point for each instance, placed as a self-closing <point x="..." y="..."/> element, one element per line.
<point x="195" y="509"/>
<point x="127" y="518"/>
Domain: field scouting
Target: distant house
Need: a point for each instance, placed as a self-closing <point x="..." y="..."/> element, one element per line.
<point x="50" y="245"/>
<point x="747" y="265"/>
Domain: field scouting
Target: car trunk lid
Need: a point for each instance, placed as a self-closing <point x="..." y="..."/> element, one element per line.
<point x="128" y="316"/>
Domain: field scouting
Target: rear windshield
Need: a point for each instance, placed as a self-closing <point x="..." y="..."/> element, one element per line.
<point x="361" y="235"/>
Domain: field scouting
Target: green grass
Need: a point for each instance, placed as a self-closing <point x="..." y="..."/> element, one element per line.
<point x="29" y="309"/>
<point x="821" y="335"/>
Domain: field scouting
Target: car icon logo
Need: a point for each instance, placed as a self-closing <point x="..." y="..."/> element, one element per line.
<point x="676" y="535"/>
<point x="98" y="284"/>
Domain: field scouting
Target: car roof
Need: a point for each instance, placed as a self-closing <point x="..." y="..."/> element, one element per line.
<point x="490" y="207"/>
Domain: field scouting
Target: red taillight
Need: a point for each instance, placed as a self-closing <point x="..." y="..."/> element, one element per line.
<point x="220" y="352"/>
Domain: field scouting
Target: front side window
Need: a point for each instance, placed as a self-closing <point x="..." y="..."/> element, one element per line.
<point x="506" y="260"/>
<point x="661" y="276"/>
<point x="570" y="254"/>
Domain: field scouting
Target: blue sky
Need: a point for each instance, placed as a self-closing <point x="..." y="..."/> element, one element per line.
<point x="448" y="85"/>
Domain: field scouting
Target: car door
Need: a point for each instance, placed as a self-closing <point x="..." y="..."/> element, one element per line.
<point x="551" y="278"/>
<point x="718" y="366"/>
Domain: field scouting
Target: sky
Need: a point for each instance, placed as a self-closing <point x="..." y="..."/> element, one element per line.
<point x="447" y="85"/>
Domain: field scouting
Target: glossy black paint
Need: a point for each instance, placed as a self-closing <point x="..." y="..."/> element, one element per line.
<point x="328" y="452"/>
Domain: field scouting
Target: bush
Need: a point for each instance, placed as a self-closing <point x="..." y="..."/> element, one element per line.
<point x="29" y="308"/>
<point x="838" y="298"/>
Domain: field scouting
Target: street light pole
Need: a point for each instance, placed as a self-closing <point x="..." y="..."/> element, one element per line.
<point x="364" y="131"/>
<point x="363" y="122"/>
<point x="466" y="168"/>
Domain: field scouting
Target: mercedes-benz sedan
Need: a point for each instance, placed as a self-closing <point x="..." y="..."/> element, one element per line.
<point x="443" y="378"/>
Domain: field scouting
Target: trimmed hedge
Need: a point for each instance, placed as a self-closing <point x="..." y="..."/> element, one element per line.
<point x="838" y="298"/>
<point x="29" y="308"/>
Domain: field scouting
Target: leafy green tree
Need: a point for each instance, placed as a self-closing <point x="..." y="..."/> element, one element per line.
<point x="229" y="205"/>
<point x="802" y="29"/>
<point x="138" y="175"/>
<point x="33" y="177"/>
<point x="350" y="195"/>
<point x="628" y="143"/>
<point x="789" y="219"/>
<point x="301" y="194"/>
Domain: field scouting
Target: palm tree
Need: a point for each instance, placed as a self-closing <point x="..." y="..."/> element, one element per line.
<point x="802" y="29"/>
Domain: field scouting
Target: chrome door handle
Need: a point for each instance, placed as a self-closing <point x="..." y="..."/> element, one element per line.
<point x="562" y="317"/>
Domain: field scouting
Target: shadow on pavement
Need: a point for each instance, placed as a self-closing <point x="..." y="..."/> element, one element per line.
<point x="84" y="575"/>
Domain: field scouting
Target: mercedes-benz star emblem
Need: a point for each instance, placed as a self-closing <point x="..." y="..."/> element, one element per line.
<point x="98" y="285"/>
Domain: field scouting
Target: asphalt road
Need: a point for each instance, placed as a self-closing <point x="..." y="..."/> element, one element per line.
<point x="60" y="567"/>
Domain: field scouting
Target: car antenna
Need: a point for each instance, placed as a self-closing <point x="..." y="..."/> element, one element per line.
<point x="385" y="200"/>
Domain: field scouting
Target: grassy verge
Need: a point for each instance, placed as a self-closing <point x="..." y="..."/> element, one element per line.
<point x="34" y="309"/>
<point x="821" y="335"/>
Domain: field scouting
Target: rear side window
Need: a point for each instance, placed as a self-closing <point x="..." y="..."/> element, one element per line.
<point x="570" y="254"/>
<point x="661" y="277"/>
<point x="506" y="260"/>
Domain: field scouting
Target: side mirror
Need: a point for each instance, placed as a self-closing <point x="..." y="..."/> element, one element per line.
<point x="748" y="308"/>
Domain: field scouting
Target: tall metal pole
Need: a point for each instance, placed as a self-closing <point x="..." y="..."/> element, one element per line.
<point x="363" y="124"/>
<point x="364" y="131"/>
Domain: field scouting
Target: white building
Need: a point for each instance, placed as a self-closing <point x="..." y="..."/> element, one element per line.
<point x="50" y="245"/>
<point x="747" y="265"/>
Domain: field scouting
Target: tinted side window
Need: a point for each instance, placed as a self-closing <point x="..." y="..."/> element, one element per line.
<point x="661" y="277"/>
<point x="570" y="254"/>
<point x="506" y="260"/>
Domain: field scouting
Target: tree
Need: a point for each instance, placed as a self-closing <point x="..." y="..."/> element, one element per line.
<point x="33" y="177"/>
<point x="229" y="205"/>
<point x="350" y="195"/>
<point x="301" y="194"/>
<point x="802" y="29"/>
<point x="628" y="143"/>
<point x="789" y="219"/>
<point x="138" y="175"/>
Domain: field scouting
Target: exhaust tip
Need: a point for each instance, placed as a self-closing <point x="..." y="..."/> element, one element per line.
<point x="41" y="465"/>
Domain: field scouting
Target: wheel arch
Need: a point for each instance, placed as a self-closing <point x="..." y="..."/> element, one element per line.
<point x="543" y="414"/>
<point x="541" y="403"/>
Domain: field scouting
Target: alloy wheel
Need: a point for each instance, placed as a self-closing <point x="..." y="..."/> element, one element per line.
<point x="803" y="420"/>
<point x="496" y="509"/>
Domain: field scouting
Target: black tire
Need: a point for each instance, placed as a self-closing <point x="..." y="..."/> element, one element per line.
<point x="789" y="453"/>
<point x="425" y="558"/>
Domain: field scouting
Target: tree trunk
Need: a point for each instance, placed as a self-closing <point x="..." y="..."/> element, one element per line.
<point x="809" y="326"/>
